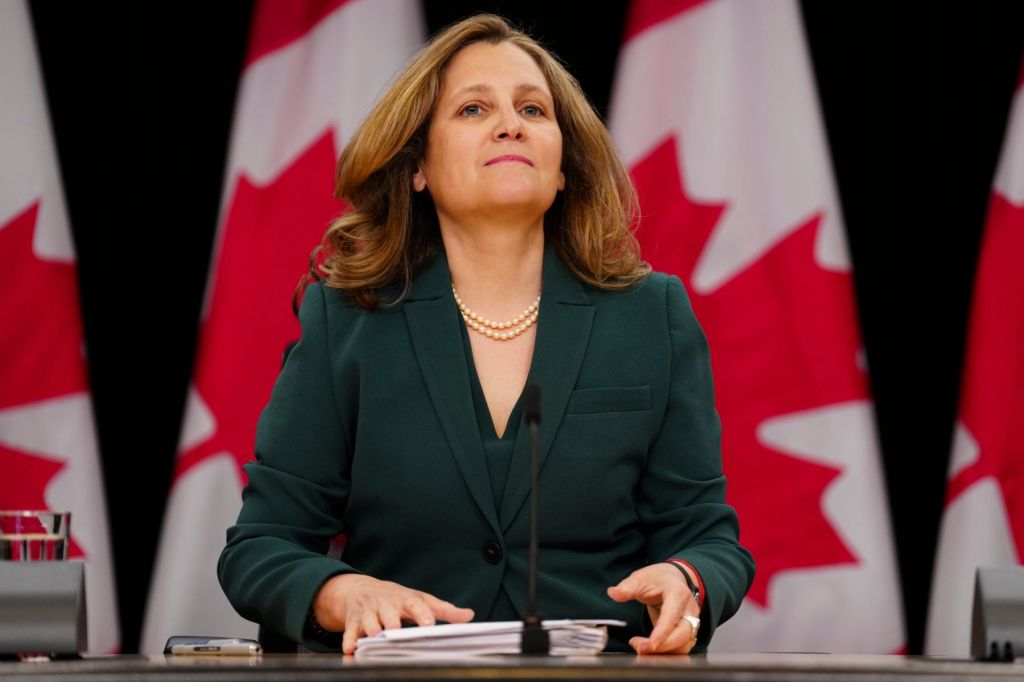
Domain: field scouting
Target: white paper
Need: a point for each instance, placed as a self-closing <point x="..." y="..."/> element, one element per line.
<point x="568" y="638"/>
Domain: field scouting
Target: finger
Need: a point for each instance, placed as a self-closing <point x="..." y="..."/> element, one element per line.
<point x="637" y="589"/>
<point x="679" y="641"/>
<point x="625" y="590"/>
<point x="351" y="634"/>
<point x="447" y="611"/>
<point x="390" y="617"/>
<point x="370" y="623"/>
<point x="668" y="619"/>
<point x="417" y="611"/>
<point x="618" y="594"/>
<point x="642" y="645"/>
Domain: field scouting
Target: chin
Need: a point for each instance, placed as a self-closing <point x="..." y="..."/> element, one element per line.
<point x="526" y="201"/>
<point x="528" y="211"/>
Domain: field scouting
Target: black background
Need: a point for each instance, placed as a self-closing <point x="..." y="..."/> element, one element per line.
<point x="915" y="98"/>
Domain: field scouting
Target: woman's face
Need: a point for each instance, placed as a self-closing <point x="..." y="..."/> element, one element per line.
<point x="494" y="149"/>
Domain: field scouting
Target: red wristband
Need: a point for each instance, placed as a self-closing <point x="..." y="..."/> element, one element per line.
<point x="700" y="583"/>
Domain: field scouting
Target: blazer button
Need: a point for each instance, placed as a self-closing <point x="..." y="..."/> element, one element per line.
<point x="492" y="552"/>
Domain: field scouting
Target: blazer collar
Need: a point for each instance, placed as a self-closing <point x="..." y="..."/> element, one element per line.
<point x="434" y="281"/>
<point x="563" y="330"/>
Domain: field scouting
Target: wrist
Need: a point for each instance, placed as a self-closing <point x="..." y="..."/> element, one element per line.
<point x="693" y="581"/>
<point x="314" y="627"/>
<point x="327" y="613"/>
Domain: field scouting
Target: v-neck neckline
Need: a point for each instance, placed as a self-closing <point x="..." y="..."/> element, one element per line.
<point x="485" y="421"/>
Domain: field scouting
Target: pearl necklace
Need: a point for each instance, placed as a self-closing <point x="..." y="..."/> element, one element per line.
<point x="496" y="330"/>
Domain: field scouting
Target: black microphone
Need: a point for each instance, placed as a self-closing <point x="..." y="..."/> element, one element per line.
<point x="535" y="639"/>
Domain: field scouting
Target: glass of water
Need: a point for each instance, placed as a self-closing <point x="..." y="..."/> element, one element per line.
<point x="34" y="535"/>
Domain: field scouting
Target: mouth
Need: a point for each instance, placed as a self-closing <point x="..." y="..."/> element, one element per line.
<point x="509" y="157"/>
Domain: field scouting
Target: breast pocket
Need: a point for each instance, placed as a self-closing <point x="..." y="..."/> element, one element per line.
<point x="611" y="399"/>
<point x="596" y="461"/>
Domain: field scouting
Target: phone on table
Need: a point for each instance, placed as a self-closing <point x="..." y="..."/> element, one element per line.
<point x="180" y="645"/>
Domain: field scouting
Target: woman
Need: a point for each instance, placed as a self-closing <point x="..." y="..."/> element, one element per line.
<point x="488" y="245"/>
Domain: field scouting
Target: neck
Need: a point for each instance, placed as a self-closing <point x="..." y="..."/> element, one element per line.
<point x="496" y="270"/>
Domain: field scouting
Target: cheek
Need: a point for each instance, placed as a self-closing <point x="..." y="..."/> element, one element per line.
<point x="447" y="161"/>
<point x="555" y="146"/>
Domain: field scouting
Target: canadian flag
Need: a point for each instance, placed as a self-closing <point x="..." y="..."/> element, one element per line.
<point x="983" y="521"/>
<point x="714" y="110"/>
<point x="48" y="453"/>
<point x="313" y="70"/>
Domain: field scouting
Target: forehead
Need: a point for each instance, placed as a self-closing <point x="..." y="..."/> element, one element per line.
<point x="483" y="65"/>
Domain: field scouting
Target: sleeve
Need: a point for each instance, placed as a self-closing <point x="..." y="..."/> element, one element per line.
<point x="681" y="496"/>
<point x="274" y="561"/>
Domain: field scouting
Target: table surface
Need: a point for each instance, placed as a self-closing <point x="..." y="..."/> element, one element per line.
<point x="712" y="667"/>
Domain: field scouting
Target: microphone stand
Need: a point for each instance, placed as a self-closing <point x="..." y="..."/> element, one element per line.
<point x="535" y="640"/>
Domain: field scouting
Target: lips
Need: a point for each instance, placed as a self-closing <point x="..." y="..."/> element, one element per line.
<point x="509" y="157"/>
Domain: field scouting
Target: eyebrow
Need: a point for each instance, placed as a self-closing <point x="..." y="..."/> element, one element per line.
<point x="482" y="87"/>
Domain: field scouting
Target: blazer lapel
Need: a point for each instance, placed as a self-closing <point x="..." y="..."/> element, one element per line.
<point x="563" y="330"/>
<point x="434" y="329"/>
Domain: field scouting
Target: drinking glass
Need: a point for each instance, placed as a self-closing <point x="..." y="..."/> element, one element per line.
<point x="34" y="535"/>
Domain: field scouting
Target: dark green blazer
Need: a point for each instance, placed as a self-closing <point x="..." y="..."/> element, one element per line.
<point x="371" y="430"/>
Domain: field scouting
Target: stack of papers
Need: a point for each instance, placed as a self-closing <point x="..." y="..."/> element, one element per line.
<point x="568" y="638"/>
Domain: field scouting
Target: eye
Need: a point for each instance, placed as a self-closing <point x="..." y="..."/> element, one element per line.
<point x="533" y="110"/>
<point x="470" y="110"/>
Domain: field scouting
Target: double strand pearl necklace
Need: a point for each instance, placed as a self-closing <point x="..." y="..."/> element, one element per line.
<point x="497" y="330"/>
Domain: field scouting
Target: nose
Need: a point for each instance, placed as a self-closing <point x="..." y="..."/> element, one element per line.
<point x="510" y="125"/>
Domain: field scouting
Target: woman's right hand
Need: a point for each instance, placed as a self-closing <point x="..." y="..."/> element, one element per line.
<point x="358" y="605"/>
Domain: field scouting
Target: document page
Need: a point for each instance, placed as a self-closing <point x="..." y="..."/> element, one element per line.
<point x="568" y="638"/>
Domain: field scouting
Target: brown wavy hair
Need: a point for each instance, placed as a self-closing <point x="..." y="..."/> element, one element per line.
<point x="392" y="232"/>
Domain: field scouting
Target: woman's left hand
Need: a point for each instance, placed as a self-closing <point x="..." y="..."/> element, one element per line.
<point x="668" y="598"/>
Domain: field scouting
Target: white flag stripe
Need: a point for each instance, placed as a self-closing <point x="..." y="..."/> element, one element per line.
<point x="28" y="157"/>
<point x="1009" y="179"/>
<point x="975" y="531"/>
<point x="288" y="98"/>
<point x="965" y="450"/>
<point x="748" y="127"/>
<point x="185" y="569"/>
<point x="62" y="428"/>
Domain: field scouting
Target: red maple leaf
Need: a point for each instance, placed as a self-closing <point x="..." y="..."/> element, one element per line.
<point x="783" y="339"/>
<point x="268" y="235"/>
<point x="25" y="489"/>
<point x="40" y="351"/>
<point x="41" y="344"/>
<point x="992" y="403"/>
<point x="21" y="490"/>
